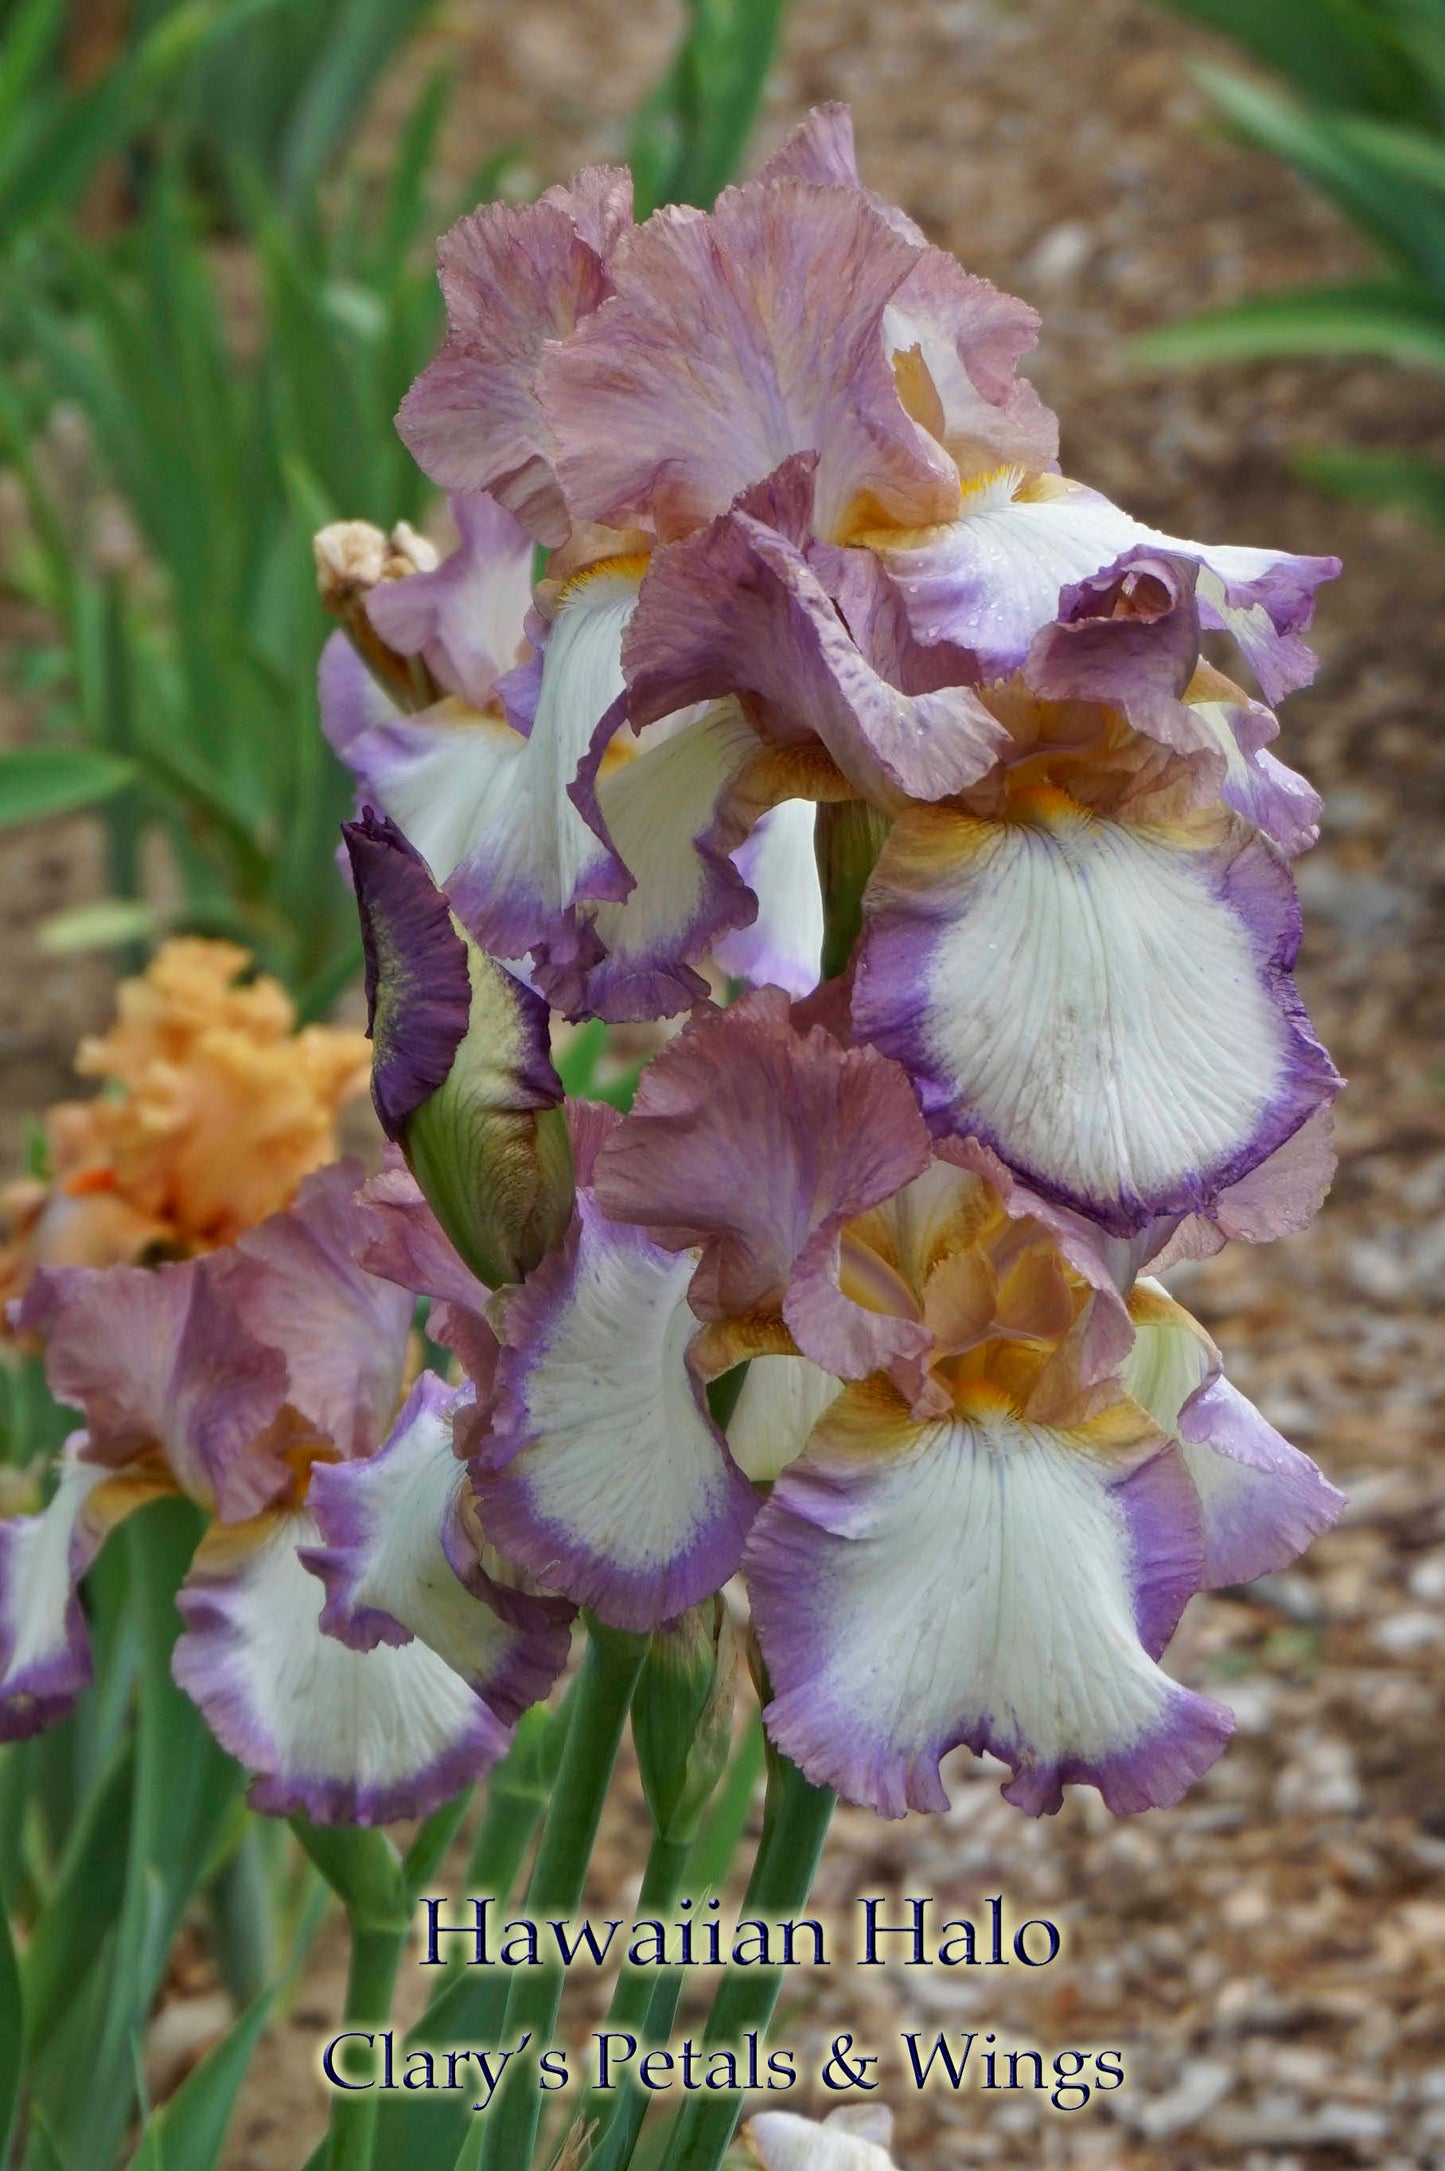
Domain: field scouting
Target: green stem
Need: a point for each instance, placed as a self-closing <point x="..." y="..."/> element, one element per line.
<point x="632" y="1995"/>
<point x="847" y="840"/>
<point x="375" y="1957"/>
<point x="794" y="1828"/>
<point x="707" y="1868"/>
<point x="505" y="2141"/>
<point x="419" y="2133"/>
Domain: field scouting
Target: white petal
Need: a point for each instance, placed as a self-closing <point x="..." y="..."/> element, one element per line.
<point x="604" y="1475"/>
<point x="1105" y="1003"/>
<point x="784" y="945"/>
<point x="850" y="2140"/>
<point x="445" y="777"/>
<point x="536" y="855"/>
<point x="386" y="1564"/>
<point x="44" y="1647"/>
<point x="342" y="1735"/>
<point x="656" y="809"/>
<point x="782" y="1399"/>
<point x="978" y="1580"/>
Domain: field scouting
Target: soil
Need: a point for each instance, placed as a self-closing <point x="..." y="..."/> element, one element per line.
<point x="1268" y="1956"/>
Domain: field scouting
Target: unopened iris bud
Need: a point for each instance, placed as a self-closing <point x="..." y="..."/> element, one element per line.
<point x="682" y="1715"/>
<point x="461" y="1074"/>
<point x="353" y="559"/>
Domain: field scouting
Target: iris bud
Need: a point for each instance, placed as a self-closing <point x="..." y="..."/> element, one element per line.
<point x="461" y="1074"/>
<point x="682" y="1715"/>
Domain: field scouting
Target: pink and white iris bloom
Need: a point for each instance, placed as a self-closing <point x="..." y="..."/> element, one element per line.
<point x="244" y="1381"/>
<point x="972" y="1479"/>
<point x="811" y="545"/>
<point x="622" y="873"/>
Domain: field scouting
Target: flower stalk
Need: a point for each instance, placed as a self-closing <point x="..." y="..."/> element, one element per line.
<point x="506" y="2136"/>
<point x="795" y="1824"/>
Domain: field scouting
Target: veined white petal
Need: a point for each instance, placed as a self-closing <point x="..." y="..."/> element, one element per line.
<point x="1105" y="1003"/>
<point x="344" y="1736"/>
<point x="981" y="1580"/>
<point x="604" y="1475"/>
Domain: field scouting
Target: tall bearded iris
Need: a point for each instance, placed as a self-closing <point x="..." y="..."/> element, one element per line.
<point x="976" y="1470"/>
<point x="810" y="547"/>
<point x="243" y="1380"/>
<point x="810" y="550"/>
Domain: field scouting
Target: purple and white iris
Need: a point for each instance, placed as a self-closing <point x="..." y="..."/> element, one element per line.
<point x="245" y="1381"/>
<point x="809" y="550"/>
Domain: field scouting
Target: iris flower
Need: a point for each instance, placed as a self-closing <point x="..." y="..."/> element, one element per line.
<point x="242" y="1381"/>
<point x="846" y="2140"/>
<point x="976" y="1471"/>
<point x="215" y="1107"/>
<point x="810" y="544"/>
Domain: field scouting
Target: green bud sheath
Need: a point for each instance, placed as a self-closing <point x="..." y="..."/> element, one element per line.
<point x="682" y="1715"/>
<point x="461" y="1075"/>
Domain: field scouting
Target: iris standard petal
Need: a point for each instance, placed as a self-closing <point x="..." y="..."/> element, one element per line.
<point x="514" y="277"/>
<point x="158" y="1361"/>
<point x="465" y="619"/>
<point x="758" y="1142"/>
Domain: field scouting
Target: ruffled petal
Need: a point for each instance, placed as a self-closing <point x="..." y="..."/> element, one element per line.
<point x="1257" y="785"/>
<point x="158" y="1360"/>
<point x="1262" y="1501"/>
<point x="783" y="946"/>
<point x="672" y="814"/>
<point x="387" y="1573"/>
<point x="992" y="577"/>
<point x="983" y="1581"/>
<point x="781" y="1400"/>
<point x="295" y="1284"/>
<point x="514" y="277"/>
<point x="819" y="150"/>
<point x="1108" y="1005"/>
<point x="956" y="342"/>
<point x="45" y="1657"/>
<point x="342" y="1736"/>
<point x="758" y="1143"/>
<point x="400" y="1239"/>
<point x="603" y="1475"/>
<point x="734" y="340"/>
<point x="534" y="855"/>
<point x="465" y="619"/>
<point x="738" y="609"/>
